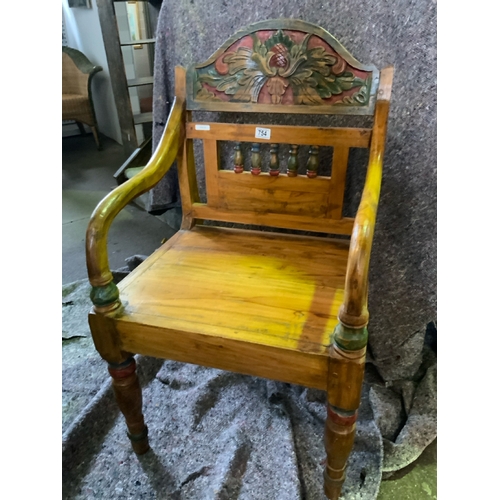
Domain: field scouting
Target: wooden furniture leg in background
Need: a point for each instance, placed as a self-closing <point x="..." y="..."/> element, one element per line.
<point x="129" y="398"/>
<point x="81" y="128"/>
<point x="345" y="380"/>
<point x="95" y="132"/>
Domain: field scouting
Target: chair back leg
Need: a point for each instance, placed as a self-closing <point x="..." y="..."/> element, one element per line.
<point x="96" y="137"/>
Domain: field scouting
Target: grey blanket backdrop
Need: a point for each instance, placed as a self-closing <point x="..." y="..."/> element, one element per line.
<point x="225" y="455"/>
<point x="403" y="33"/>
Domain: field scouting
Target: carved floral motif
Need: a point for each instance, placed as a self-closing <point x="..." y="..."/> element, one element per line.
<point x="279" y="62"/>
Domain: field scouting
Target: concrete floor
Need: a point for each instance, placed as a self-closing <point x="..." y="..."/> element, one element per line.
<point x="87" y="178"/>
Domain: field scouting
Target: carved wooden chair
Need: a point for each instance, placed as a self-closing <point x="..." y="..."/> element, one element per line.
<point x="288" y="307"/>
<point x="77" y="103"/>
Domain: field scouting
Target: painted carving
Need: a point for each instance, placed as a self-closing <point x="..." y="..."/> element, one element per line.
<point x="278" y="67"/>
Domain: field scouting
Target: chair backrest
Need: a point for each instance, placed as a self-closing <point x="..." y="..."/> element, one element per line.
<point x="276" y="66"/>
<point x="73" y="80"/>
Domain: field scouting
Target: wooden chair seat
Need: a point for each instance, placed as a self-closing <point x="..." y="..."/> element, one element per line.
<point x="257" y="303"/>
<point x="287" y="307"/>
<point x="77" y="107"/>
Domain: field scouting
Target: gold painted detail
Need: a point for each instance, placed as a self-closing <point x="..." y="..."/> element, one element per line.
<point x="280" y="62"/>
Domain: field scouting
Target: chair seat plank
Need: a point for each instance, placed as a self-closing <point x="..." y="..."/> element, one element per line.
<point x="240" y="287"/>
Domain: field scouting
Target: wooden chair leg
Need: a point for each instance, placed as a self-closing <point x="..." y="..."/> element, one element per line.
<point x="129" y="398"/>
<point x="96" y="137"/>
<point x="345" y="380"/>
<point x="340" y="430"/>
<point x="81" y="128"/>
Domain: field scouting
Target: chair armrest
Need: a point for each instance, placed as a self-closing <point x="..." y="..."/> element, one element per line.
<point x="82" y="81"/>
<point x="354" y="311"/>
<point x="104" y="292"/>
<point x="81" y="61"/>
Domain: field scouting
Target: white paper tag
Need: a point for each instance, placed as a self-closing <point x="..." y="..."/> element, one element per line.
<point x="201" y="127"/>
<point x="263" y="133"/>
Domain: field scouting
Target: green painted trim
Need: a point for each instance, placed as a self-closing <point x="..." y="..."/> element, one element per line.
<point x="350" y="339"/>
<point x="138" y="437"/>
<point x="81" y="60"/>
<point x="104" y="295"/>
<point x="348" y="108"/>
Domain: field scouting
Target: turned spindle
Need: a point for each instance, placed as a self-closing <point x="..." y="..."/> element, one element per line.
<point x="129" y="398"/>
<point x="293" y="164"/>
<point x="313" y="162"/>
<point x="345" y="380"/>
<point x="274" y="164"/>
<point x="238" y="158"/>
<point x="256" y="159"/>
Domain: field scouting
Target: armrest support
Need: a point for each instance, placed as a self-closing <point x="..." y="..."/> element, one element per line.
<point x="354" y="311"/>
<point x="80" y="81"/>
<point x="82" y="61"/>
<point x="104" y="292"/>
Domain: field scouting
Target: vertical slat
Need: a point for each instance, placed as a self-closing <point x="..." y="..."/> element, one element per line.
<point x="211" y="157"/>
<point x="337" y="183"/>
<point x="274" y="163"/>
<point x="256" y="159"/>
<point x="313" y="162"/>
<point x="292" y="161"/>
<point x="187" y="182"/>
<point x="238" y="158"/>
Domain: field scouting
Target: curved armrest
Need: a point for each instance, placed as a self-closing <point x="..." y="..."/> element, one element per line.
<point x="81" y="82"/>
<point x="82" y="61"/>
<point x="354" y="311"/>
<point x="104" y="292"/>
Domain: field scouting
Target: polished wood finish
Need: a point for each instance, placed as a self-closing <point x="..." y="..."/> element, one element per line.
<point x="283" y="134"/>
<point x="293" y="164"/>
<point x="128" y="396"/>
<point x="256" y="159"/>
<point x="345" y="371"/>
<point x="238" y="159"/>
<point x="285" y="221"/>
<point x="337" y="182"/>
<point x="265" y="181"/>
<point x="274" y="162"/>
<point x="354" y="311"/>
<point x="211" y="157"/>
<point x="100" y="221"/>
<point x="345" y="380"/>
<point x="286" y="307"/>
<point x="293" y="298"/>
<point x="313" y="162"/>
<point x="340" y="430"/>
<point x="268" y="197"/>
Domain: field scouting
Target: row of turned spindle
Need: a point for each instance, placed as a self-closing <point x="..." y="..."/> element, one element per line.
<point x="274" y="168"/>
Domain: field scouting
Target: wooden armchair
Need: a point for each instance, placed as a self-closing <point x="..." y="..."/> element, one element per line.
<point x="77" y="104"/>
<point x="288" y="307"/>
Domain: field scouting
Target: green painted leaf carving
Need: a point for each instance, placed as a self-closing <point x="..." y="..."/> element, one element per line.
<point x="308" y="71"/>
<point x="279" y="38"/>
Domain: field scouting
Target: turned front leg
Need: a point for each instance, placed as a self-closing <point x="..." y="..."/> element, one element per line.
<point x="128" y="395"/>
<point x="345" y="380"/>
